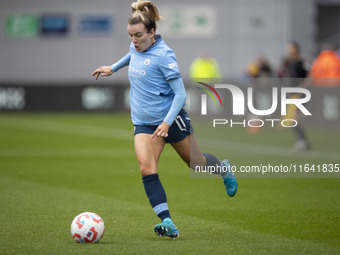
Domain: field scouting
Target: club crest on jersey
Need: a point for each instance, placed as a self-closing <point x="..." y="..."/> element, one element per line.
<point x="147" y="61"/>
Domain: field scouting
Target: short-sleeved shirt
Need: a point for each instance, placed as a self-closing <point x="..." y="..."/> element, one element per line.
<point x="149" y="72"/>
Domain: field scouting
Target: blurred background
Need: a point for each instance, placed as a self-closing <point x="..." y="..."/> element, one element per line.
<point x="64" y="40"/>
<point x="49" y="48"/>
<point x="66" y="140"/>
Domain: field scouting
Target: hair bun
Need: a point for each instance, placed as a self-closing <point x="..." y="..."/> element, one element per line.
<point x="148" y="7"/>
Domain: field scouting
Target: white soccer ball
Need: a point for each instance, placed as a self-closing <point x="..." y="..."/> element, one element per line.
<point x="87" y="227"/>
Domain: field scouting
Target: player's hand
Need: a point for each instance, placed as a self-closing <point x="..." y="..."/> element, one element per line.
<point x="162" y="130"/>
<point x="102" y="71"/>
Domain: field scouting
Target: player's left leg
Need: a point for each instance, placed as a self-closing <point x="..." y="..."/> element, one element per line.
<point x="189" y="150"/>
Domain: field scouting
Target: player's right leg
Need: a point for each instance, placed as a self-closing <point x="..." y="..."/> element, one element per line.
<point x="148" y="151"/>
<point x="166" y="228"/>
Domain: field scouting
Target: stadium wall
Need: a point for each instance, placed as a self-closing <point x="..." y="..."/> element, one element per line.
<point x="234" y="32"/>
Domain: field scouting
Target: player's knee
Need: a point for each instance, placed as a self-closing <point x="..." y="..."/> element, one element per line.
<point x="147" y="169"/>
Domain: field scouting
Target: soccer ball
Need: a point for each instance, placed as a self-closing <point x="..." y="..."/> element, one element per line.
<point x="87" y="227"/>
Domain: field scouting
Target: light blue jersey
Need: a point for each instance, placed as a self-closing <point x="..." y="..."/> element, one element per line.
<point x="149" y="72"/>
<point x="155" y="81"/>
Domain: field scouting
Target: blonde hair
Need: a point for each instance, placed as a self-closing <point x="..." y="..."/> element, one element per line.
<point x="144" y="12"/>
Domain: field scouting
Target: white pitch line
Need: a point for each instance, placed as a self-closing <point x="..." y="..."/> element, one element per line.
<point x="118" y="134"/>
<point x="66" y="153"/>
<point x="66" y="128"/>
<point x="70" y="153"/>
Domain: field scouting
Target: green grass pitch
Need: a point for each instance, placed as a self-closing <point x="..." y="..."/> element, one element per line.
<point x="55" y="166"/>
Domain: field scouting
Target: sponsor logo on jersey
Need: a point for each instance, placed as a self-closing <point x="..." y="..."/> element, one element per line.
<point x="173" y="65"/>
<point x="137" y="71"/>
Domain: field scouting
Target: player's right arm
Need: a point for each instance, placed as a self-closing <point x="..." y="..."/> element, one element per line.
<point x="109" y="70"/>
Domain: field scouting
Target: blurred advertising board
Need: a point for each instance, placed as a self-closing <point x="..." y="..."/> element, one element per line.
<point x="22" y="25"/>
<point x="63" y="98"/>
<point x="54" y="25"/>
<point x="94" y="25"/>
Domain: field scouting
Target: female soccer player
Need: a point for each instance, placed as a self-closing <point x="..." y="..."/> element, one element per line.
<point x="157" y="97"/>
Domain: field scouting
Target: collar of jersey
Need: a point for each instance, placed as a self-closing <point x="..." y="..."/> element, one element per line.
<point x="158" y="39"/>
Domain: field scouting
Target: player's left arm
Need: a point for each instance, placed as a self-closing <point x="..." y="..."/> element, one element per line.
<point x="177" y="104"/>
<point x="169" y="67"/>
